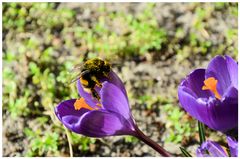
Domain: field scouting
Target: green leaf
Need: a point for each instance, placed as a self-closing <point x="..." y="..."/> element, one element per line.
<point x="185" y="153"/>
<point x="201" y="132"/>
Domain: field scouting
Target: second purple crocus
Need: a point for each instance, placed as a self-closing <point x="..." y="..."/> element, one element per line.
<point x="211" y="95"/>
<point x="213" y="149"/>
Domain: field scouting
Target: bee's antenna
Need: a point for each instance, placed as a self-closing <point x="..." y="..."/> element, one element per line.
<point x="73" y="80"/>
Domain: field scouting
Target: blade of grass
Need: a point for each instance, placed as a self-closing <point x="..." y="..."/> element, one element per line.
<point x="185" y="153"/>
<point x="201" y="132"/>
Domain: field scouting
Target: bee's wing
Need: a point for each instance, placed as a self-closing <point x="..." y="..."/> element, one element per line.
<point x="113" y="62"/>
<point x="73" y="74"/>
<point x="74" y="79"/>
<point x="77" y="67"/>
<point x="116" y="64"/>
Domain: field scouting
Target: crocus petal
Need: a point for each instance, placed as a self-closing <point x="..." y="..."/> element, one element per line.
<point x="231" y="93"/>
<point x="233" y="70"/>
<point x="101" y="123"/>
<point x="68" y="115"/>
<point x="210" y="149"/>
<point x="193" y="99"/>
<point x="96" y="123"/>
<point x="233" y="146"/>
<point x="66" y="108"/>
<point x="87" y="96"/>
<point x="230" y="100"/>
<point x="223" y="115"/>
<point x="114" y="100"/>
<point x="197" y="108"/>
<point x="114" y="79"/>
<point x="194" y="82"/>
<point x="224" y="69"/>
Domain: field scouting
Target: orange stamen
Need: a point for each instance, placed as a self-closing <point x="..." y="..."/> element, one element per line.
<point x="211" y="84"/>
<point x="80" y="103"/>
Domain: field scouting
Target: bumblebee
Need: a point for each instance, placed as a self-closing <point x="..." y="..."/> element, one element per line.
<point x="91" y="72"/>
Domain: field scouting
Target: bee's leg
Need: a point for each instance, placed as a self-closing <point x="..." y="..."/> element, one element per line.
<point x="99" y="84"/>
<point x="87" y="90"/>
<point x="105" y="74"/>
<point x="84" y="82"/>
<point x="95" y="94"/>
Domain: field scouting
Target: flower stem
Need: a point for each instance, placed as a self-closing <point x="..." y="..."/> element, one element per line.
<point x="139" y="134"/>
<point x="69" y="142"/>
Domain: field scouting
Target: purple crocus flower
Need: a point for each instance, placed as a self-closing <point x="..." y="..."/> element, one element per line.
<point x="233" y="146"/>
<point x="210" y="149"/>
<point x="108" y="116"/>
<point x="213" y="149"/>
<point x="211" y="95"/>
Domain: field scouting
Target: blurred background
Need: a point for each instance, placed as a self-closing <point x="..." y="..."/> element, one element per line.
<point x="152" y="46"/>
